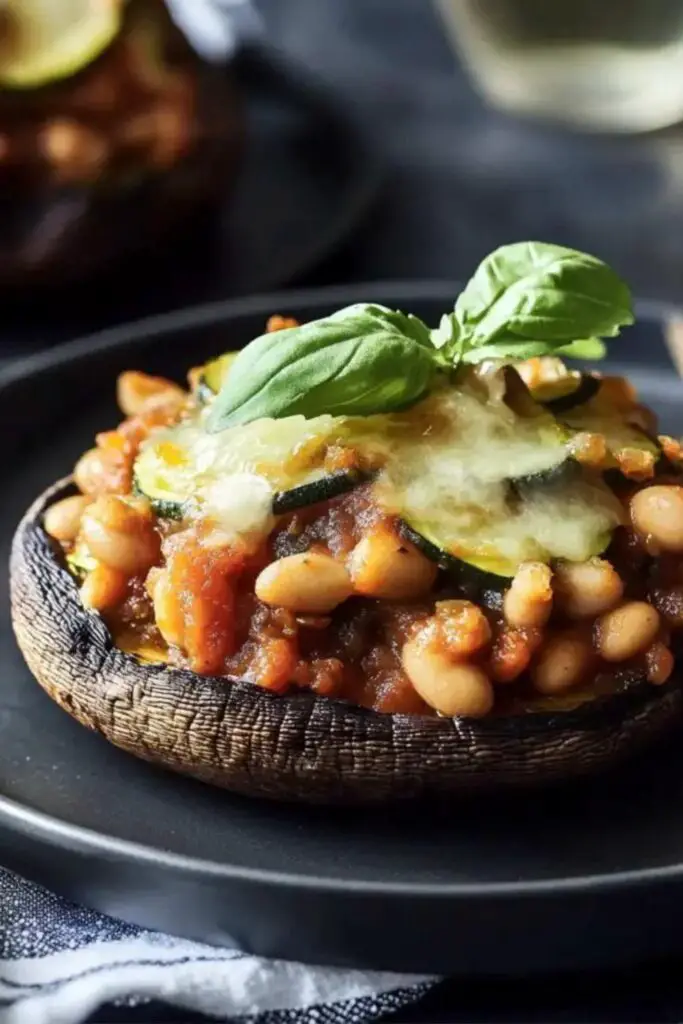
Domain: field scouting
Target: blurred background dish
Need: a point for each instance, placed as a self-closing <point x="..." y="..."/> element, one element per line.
<point x="463" y="176"/>
<point x="309" y="173"/>
<point x="159" y="152"/>
<point x="104" y="148"/>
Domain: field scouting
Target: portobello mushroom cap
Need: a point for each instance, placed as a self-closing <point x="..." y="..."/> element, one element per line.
<point x="302" y="747"/>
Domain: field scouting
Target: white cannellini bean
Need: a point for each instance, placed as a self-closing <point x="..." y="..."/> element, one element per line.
<point x="452" y="688"/>
<point x="385" y="566"/>
<point x="586" y="589"/>
<point x="562" y="663"/>
<point x="529" y="601"/>
<point x="103" y="588"/>
<point x="657" y="513"/>
<point x="63" y="520"/>
<point x="120" y="534"/>
<point x="627" y="631"/>
<point x="94" y="471"/>
<point x="311" y="582"/>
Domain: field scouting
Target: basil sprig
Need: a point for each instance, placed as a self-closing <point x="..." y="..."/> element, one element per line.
<point x="531" y="298"/>
<point x="361" y="360"/>
<point x="527" y="299"/>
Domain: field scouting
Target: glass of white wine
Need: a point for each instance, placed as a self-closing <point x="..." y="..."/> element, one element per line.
<point x="606" y="65"/>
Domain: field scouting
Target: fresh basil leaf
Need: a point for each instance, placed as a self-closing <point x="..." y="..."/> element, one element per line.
<point x="516" y="348"/>
<point x="510" y="348"/>
<point x="533" y="292"/>
<point x="446" y="334"/>
<point x="447" y="343"/>
<point x="406" y="323"/>
<point x="362" y="360"/>
<point x="584" y="348"/>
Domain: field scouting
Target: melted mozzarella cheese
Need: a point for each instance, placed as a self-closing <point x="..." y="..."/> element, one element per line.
<point x="445" y="466"/>
<point x="239" y="506"/>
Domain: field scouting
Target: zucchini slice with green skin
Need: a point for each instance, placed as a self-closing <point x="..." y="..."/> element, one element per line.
<point x="213" y="375"/>
<point x="481" y="573"/>
<point x="585" y="387"/>
<point x="506" y="493"/>
<point x="181" y="468"/>
<point x="169" y="505"/>
<point x="80" y="562"/>
<point x="163" y="503"/>
<point x="284" y="501"/>
<point x="488" y="586"/>
<point x="571" y="518"/>
<point x="563" y="473"/>
<point x="318" y="490"/>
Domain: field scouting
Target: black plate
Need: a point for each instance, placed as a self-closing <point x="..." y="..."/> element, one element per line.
<point x="310" y="175"/>
<point x="577" y="876"/>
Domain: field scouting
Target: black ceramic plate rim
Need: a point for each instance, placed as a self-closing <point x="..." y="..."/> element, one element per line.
<point x="36" y="824"/>
<point x="207" y="313"/>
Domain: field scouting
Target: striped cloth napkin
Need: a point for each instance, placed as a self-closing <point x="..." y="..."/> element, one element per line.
<point x="59" y="963"/>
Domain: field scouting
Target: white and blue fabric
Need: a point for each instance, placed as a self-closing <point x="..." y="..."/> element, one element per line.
<point x="59" y="963"/>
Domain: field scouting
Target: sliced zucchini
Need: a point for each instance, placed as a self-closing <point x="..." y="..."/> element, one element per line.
<point x="149" y="481"/>
<point x="168" y="506"/>
<point x="569" y="393"/>
<point x="465" y="573"/>
<point x="487" y="485"/>
<point x="322" y="489"/>
<point x="212" y="376"/>
<point x="157" y="476"/>
<point x="80" y="562"/>
<point x="46" y="41"/>
<point x="493" y="486"/>
<point x="572" y="519"/>
<point x="164" y="507"/>
<point x="562" y="473"/>
<point x="178" y="468"/>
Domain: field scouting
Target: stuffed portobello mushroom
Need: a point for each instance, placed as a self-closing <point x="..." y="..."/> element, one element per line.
<point x="363" y="559"/>
<point x="112" y="131"/>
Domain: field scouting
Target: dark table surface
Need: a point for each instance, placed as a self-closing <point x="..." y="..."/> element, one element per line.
<point x="461" y="180"/>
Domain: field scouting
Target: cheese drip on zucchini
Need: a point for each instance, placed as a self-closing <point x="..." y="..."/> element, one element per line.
<point x="481" y="482"/>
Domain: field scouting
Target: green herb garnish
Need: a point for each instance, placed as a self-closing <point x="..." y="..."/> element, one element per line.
<point x="532" y="299"/>
<point x="361" y="360"/>
<point x="527" y="299"/>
